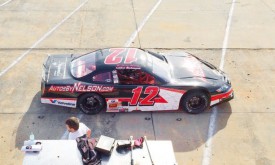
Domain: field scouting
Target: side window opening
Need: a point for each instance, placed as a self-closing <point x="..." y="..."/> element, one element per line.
<point x="105" y="77"/>
<point x="83" y="65"/>
<point x="134" y="77"/>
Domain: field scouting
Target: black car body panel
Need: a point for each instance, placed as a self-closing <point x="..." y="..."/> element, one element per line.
<point x="131" y="79"/>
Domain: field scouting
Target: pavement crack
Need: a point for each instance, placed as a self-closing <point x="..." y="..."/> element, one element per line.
<point x="266" y="5"/>
<point x="133" y="8"/>
<point x="153" y="126"/>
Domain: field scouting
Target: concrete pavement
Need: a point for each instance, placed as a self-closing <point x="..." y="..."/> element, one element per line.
<point x="244" y="128"/>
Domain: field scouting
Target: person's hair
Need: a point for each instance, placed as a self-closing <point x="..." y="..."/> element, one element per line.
<point x="73" y="122"/>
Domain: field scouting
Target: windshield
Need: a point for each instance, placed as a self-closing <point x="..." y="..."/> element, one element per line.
<point x="159" y="66"/>
<point x="83" y="65"/>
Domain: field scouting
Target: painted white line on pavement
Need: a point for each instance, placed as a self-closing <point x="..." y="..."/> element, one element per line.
<point x="208" y="145"/>
<point x="3" y="4"/>
<point x="227" y="30"/>
<point x="134" y="35"/>
<point x="127" y="44"/>
<point x="212" y="123"/>
<point x="40" y="40"/>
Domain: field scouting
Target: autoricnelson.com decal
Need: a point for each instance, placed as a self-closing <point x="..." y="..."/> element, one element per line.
<point x="78" y="87"/>
<point x="60" y="102"/>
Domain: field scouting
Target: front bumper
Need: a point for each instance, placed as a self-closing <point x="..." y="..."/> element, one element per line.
<point x="223" y="97"/>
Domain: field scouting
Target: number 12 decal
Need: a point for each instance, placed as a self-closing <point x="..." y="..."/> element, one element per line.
<point x="115" y="57"/>
<point x="152" y="92"/>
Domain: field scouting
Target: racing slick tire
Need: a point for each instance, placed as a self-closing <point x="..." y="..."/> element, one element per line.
<point x="195" y="102"/>
<point x="91" y="103"/>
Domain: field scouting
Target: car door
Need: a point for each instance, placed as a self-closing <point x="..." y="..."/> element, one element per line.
<point x="136" y="90"/>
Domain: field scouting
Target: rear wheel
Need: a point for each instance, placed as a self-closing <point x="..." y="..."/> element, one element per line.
<point x="195" y="102"/>
<point x="91" y="103"/>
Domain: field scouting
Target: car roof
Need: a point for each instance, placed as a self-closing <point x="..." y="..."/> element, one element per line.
<point x="118" y="58"/>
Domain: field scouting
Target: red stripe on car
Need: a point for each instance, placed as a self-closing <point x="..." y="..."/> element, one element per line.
<point x="174" y="90"/>
<point x="221" y="96"/>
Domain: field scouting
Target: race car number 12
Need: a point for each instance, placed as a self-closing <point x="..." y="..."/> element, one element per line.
<point x="115" y="57"/>
<point x="152" y="92"/>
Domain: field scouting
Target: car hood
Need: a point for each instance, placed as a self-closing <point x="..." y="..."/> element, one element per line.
<point x="188" y="67"/>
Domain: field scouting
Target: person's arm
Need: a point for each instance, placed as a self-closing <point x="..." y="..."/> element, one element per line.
<point x="86" y="129"/>
<point x="88" y="133"/>
<point x="69" y="136"/>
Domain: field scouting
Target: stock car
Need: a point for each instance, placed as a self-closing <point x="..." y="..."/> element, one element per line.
<point x="133" y="79"/>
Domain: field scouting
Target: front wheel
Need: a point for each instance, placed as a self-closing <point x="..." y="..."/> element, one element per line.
<point x="91" y="103"/>
<point x="195" y="102"/>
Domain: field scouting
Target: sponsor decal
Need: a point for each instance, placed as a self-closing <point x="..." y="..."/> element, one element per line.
<point x="78" y="87"/>
<point x="115" y="77"/>
<point x="118" y="109"/>
<point x="128" y="67"/>
<point x="59" y="71"/>
<point x="114" y="103"/>
<point x="61" y="102"/>
<point x="66" y="102"/>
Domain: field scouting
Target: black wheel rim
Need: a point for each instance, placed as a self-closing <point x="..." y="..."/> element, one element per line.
<point x="91" y="103"/>
<point x="196" y="103"/>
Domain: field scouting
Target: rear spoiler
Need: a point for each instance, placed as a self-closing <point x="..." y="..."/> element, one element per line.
<point x="44" y="63"/>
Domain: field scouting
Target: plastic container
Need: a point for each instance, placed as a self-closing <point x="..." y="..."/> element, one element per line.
<point x="31" y="136"/>
<point x="31" y="141"/>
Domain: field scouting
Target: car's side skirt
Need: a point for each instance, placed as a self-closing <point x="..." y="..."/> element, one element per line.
<point x="65" y="102"/>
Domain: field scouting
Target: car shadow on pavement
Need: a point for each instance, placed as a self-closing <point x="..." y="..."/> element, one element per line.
<point x="42" y="120"/>
<point x="47" y="122"/>
<point x="187" y="132"/>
